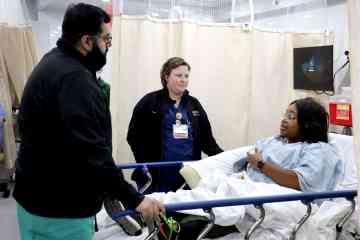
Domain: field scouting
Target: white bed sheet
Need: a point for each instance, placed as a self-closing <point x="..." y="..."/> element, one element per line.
<point x="321" y="224"/>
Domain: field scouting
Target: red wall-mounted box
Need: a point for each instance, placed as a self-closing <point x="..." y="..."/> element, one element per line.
<point x="340" y="114"/>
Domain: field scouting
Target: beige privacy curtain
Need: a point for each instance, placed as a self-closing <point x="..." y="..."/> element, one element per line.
<point x="5" y="100"/>
<point x="354" y="18"/>
<point x="243" y="79"/>
<point x="17" y="58"/>
<point x="18" y="45"/>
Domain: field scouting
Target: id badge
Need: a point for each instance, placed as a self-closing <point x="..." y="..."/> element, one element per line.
<point x="180" y="131"/>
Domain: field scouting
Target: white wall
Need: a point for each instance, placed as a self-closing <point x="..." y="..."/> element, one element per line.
<point x="48" y="30"/>
<point x="12" y="13"/>
<point x="41" y="30"/>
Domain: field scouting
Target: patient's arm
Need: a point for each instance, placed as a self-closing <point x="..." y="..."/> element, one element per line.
<point x="283" y="177"/>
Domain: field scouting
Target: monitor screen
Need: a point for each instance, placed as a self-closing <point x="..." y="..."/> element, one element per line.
<point x="313" y="68"/>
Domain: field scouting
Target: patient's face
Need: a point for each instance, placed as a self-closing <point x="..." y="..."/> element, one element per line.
<point x="289" y="127"/>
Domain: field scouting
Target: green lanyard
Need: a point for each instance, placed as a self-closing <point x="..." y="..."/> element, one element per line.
<point x="173" y="225"/>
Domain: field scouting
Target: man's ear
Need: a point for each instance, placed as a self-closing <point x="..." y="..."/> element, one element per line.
<point x="86" y="43"/>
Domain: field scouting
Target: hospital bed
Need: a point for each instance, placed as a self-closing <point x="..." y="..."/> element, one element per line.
<point x="326" y="221"/>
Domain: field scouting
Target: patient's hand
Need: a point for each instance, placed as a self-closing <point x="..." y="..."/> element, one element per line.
<point x="150" y="209"/>
<point x="253" y="158"/>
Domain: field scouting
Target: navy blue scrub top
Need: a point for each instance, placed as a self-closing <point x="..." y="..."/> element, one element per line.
<point x="175" y="149"/>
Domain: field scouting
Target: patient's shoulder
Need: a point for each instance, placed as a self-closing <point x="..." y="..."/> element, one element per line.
<point x="323" y="150"/>
<point x="321" y="146"/>
<point x="269" y="141"/>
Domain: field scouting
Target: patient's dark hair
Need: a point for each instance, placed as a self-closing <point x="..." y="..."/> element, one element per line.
<point x="313" y="120"/>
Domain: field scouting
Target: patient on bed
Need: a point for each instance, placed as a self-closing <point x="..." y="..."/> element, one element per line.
<point x="300" y="157"/>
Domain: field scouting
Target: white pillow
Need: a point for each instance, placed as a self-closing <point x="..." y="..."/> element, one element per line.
<point x="192" y="172"/>
<point x="192" y="178"/>
<point x="223" y="162"/>
<point x="344" y="145"/>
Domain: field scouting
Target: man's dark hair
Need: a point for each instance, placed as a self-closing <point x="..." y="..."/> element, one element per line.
<point x="313" y="120"/>
<point x="169" y="65"/>
<point x="81" y="19"/>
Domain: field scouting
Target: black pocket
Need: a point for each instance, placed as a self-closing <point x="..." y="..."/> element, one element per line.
<point x="139" y="176"/>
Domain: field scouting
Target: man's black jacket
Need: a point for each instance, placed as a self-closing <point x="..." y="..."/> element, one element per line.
<point x="65" y="165"/>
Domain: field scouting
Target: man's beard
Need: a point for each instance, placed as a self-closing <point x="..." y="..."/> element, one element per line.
<point x="96" y="59"/>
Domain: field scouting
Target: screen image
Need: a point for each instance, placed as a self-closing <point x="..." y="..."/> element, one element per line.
<point x="313" y="68"/>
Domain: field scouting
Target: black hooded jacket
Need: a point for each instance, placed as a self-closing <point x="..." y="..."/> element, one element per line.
<point x="65" y="165"/>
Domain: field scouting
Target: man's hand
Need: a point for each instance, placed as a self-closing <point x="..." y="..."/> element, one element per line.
<point x="254" y="158"/>
<point x="150" y="209"/>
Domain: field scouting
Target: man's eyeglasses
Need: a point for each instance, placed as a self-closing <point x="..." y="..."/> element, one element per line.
<point x="106" y="38"/>
<point x="290" y="116"/>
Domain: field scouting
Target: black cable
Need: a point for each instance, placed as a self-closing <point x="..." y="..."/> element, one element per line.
<point x="332" y="93"/>
<point x="343" y="66"/>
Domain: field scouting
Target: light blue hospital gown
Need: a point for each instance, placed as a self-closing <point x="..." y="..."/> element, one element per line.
<point x="318" y="165"/>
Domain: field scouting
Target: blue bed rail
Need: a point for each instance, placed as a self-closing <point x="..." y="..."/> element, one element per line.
<point x="304" y="197"/>
<point x="149" y="165"/>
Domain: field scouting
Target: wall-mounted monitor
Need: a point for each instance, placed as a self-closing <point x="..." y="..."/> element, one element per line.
<point x="313" y="68"/>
